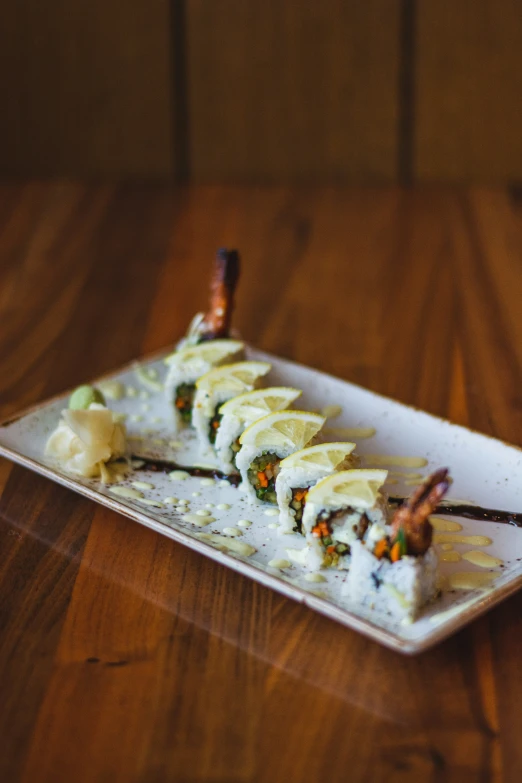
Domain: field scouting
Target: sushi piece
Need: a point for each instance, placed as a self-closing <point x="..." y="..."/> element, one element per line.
<point x="216" y="387"/>
<point x="394" y="569"/>
<point x="238" y="413"/>
<point x="266" y="442"/>
<point x="187" y="366"/>
<point x="88" y="435"/>
<point x="216" y="323"/>
<point x="338" y="512"/>
<point x="301" y="471"/>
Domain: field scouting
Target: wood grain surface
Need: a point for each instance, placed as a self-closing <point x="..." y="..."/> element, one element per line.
<point x="292" y="92"/>
<point x="271" y="91"/>
<point x="468" y="122"/>
<point x="124" y="656"/>
<point x="85" y="88"/>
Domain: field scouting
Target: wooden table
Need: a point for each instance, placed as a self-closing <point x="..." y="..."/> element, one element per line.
<point x="125" y="657"/>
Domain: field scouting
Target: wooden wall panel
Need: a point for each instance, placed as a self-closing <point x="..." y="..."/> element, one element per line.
<point x="256" y="91"/>
<point x="281" y="90"/>
<point x="468" y="123"/>
<point x="85" y="88"/>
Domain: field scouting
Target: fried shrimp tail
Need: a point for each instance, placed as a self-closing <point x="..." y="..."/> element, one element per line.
<point x="413" y="516"/>
<point x="216" y="323"/>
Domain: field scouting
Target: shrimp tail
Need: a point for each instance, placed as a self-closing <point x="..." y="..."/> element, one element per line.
<point x="413" y="515"/>
<point x="218" y="319"/>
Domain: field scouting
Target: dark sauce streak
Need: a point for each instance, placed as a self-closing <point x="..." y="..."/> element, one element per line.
<point x="164" y="466"/>
<point x="469" y="511"/>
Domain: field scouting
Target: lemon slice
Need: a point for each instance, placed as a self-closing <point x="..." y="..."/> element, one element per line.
<point x="233" y="378"/>
<point x="211" y="352"/>
<point x="255" y="404"/>
<point x="324" y="455"/>
<point x="358" y="488"/>
<point x="292" y="429"/>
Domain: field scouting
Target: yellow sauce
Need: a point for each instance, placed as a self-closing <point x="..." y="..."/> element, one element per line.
<point x="469" y="580"/>
<point x="178" y="475"/>
<point x="482" y="559"/>
<point x="445" y="525"/>
<point x="126" y="492"/>
<point x="198" y="520"/>
<point x="142" y="485"/>
<point x="407" y="475"/>
<point x="112" y="390"/>
<point x="351" y="433"/>
<point x="277" y="563"/>
<point x="405" y="462"/>
<point x="450" y="557"/>
<point x="228" y="543"/>
<point x="149" y="502"/>
<point x="446" y="547"/>
<point x="449" y="538"/>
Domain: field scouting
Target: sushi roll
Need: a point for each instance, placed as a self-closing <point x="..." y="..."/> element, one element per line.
<point x="338" y="511"/>
<point x="189" y="364"/>
<point x="301" y="471"/>
<point x="238" y="413"/>
<point x="216" y="387"/>
<point x="266" y="442"/>
<point x="399" y="589"/>
<point x="394" y="569"/>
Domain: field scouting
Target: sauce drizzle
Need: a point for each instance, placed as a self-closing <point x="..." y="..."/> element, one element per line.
<point x="454" y="538"/>
<point x="391" y="459"/>
<point x="469" y="511"/>
<point x="166" y="466"/>
<point x="469" y="580"/>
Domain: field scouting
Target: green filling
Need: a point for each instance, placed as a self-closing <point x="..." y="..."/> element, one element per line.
<point x="262" y="474"/>
<point x="236" y="448"/>
<point x="298" y="506"/>
<point x="213" y="426"/>
<point x="324" y="531"/>
<point x="184" y="399"/>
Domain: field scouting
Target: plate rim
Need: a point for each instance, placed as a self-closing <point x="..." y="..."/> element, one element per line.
<point x="344" y="616"/>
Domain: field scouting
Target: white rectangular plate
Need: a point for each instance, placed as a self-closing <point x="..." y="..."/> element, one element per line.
<point x="485" y="471"/>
